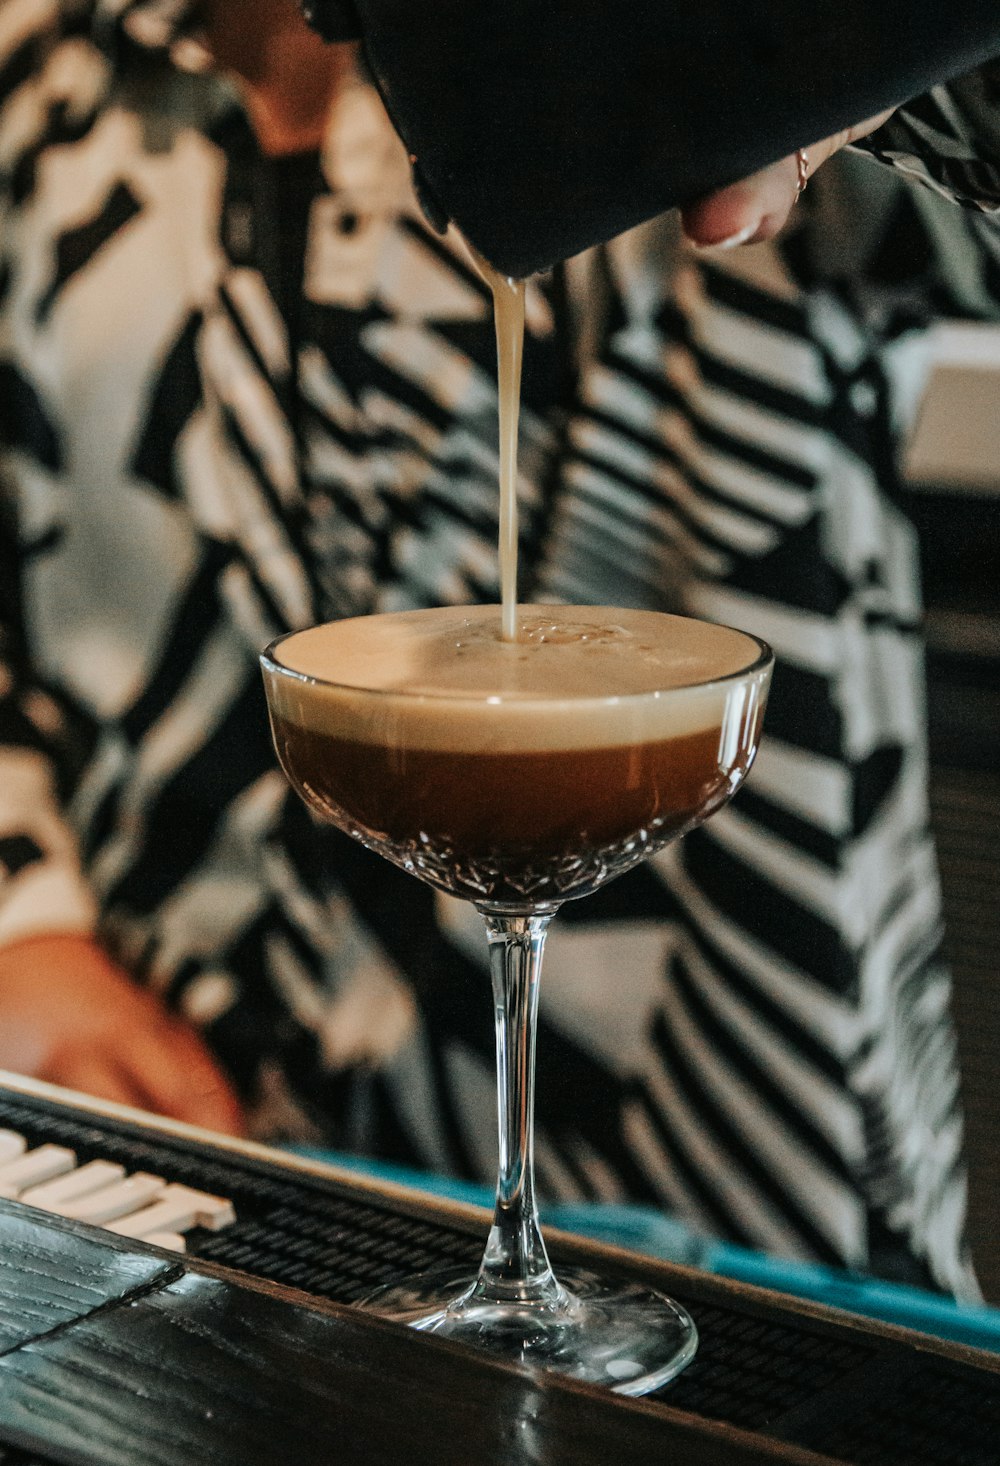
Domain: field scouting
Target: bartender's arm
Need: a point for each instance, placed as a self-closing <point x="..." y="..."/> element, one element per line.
<point x="68" y="1013"/>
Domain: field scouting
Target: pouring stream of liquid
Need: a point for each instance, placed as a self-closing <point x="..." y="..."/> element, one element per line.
<point x="508" y="312"/>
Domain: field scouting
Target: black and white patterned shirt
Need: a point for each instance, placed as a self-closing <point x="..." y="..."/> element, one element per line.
<point x="239" y="396"/>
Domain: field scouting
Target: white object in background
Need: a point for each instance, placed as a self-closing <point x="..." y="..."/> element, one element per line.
<point x="142" y="1206"/>
<point x="172" y="1241"/>
<point x="178" y="1209"/>
<point x="112" y="1202"/>
<point x="11" y="1145"/>
<point x="34" y="1167"/>
<point x="955" y="441"/>
<point x="84" y="1181"/>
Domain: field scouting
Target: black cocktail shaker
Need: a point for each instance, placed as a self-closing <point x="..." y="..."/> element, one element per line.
<point x="544" y="126"/>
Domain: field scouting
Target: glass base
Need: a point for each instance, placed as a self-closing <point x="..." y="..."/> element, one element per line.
<point x="625" y="1337"/>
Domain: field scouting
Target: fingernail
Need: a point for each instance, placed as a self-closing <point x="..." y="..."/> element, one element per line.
<point x="732" y="240"/>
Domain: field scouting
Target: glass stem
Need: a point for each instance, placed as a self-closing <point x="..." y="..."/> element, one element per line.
<point x="515" y="1267"/>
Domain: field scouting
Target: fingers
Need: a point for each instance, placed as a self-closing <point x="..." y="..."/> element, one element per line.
<point x="746" y="212"/>
<point x="757" y="208"/>
<point x="166" y="1071"/>
<point x="95" y="1074"/>
<point x="177" y="1076"/>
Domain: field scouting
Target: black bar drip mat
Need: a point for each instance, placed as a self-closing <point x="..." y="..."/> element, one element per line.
<point x="855" y="1398"/>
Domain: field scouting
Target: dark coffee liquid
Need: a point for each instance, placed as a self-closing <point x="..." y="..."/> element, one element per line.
<point x="499" y="826"/>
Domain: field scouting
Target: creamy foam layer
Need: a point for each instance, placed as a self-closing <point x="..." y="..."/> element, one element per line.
<point x="580" y="676"/>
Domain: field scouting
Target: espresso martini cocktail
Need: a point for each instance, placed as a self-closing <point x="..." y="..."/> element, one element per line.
<point x="516" y="773"/>
<point x="519" y="771"/>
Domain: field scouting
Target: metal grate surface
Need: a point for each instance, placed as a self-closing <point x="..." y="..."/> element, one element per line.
<point x="929" y="1419"/>
<point x="751" y="1371"/>
<point x="772" y="1374"/>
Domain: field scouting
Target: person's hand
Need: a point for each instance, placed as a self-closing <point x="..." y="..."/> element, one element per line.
<point x="756" y="208"/>
<point x="70" y="1016"/>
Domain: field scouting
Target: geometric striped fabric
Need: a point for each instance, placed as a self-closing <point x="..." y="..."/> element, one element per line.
<point x="201" y="448"/>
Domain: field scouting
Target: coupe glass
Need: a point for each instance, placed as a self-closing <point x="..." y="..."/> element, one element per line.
<point x="518" y="775"/>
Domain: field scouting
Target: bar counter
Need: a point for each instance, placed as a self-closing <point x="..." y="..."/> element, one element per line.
<point x="244" y="1349"/>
